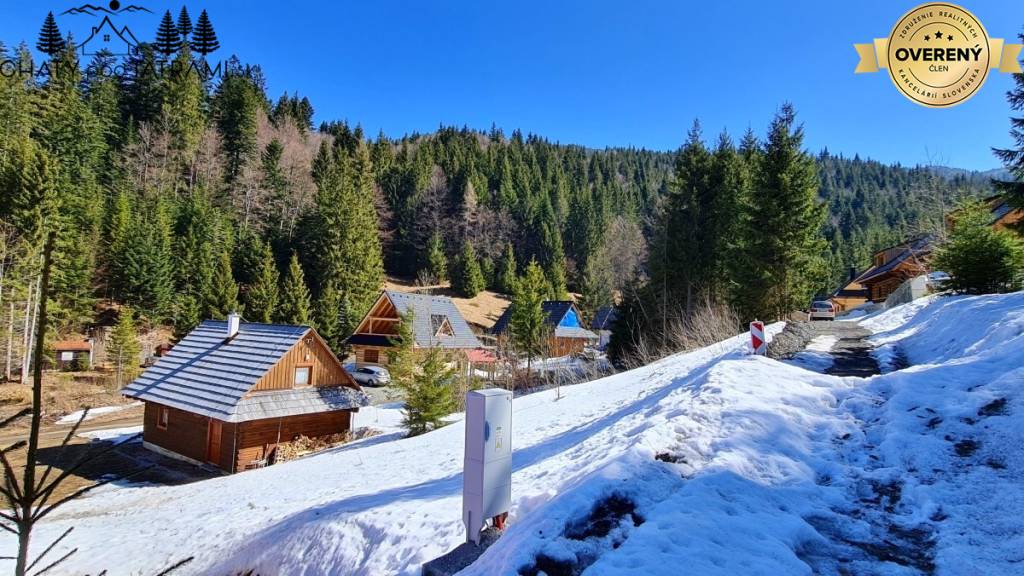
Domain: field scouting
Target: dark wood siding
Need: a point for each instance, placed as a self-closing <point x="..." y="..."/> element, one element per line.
<point x="186" y="433"/>
<point x="256" y="439"/>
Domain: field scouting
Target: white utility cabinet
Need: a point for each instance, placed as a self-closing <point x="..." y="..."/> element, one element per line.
<point x="487" y="475"/>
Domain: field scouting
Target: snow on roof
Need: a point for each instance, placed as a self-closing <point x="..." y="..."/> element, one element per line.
<point x="208" y="374"/>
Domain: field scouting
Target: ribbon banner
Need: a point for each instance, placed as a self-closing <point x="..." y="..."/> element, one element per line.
<point x="874" y="57"/>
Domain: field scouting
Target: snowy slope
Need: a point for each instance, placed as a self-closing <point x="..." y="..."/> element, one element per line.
<point x="716" y="462"/>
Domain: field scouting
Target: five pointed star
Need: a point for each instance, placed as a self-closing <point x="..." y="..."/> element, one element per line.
<point x="938" y="34"/>
<point x="949" y="37"/>
<point x="927" y="38"/>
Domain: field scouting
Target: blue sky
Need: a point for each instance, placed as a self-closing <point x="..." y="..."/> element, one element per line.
<point x="598" y="73"/>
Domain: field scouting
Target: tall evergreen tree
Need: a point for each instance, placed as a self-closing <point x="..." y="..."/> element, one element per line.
<point x="184" y="23"/>
<point x="467" y="280"/>
<point x="167" y="39"/>
<point x="222" y="297"/>
<point x="50" y="40"/>
<point x="437" y="262"/>
<point x="123" y="348"/>
<point x="183" y="107"/>
<point x="527" y="328"/>
<point x="204" y="39"/>
<point x="236" y="105"/>
<point x="294" y="296"/>
<point x="262" y="297"/>
<point x="784" y="248"/>
<point x="505" y="277"/>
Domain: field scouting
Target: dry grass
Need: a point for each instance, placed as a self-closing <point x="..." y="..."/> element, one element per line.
<point x="706" y="324"/>
<point x="63" y="393"/>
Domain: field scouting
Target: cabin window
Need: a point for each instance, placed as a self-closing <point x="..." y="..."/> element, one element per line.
<point x="372" y="356"/>
<point x="303" y="375"/>
<point x="162" y="416"/>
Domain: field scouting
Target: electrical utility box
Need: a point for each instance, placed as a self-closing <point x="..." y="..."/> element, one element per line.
<point x="487" y="476"/>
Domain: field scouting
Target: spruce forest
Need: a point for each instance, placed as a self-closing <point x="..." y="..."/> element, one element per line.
<point x="187" y="199"/>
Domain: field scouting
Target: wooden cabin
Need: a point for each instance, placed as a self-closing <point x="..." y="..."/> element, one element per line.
<point x="437" y="323"/>
<point x="850" y="295"/>
<point x="892" y="266"/>
<point x="1003" y="215"/>
<point x="230" y="392"/>
<point x="603" y="322"/>
<point x="567" y="335"/>
<point x="73" y="354"/>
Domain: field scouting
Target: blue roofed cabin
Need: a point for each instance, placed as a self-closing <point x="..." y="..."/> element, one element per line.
<point x="230" y="391"/>
<point x="567" y="335"/>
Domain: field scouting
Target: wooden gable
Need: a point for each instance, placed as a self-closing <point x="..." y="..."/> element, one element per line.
<point x="309" y="352"/>
<point x="381" y="320"/>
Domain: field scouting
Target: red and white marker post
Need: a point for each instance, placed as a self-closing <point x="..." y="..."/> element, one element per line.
<point x="757" y="339"/>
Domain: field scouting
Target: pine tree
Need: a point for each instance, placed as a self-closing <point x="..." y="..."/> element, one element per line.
<point x="294" y="295"/>
<point x="123" y="348"/>
<point x="347" y="244"/>
<point x="437" y="262"/>
<point x="784" y="246"/>
<point x="467" y="280"/>
<point x="222" y="298"/>
<point x="261" y="299"/>
<point x="329" y="317"/>
<point x="183" y="107"/>
<point x="979" y="259"/>
<point x="167" y="40"/>
<point x="236" y="106"/>
<point x="527" y="328"/>
<point x="142" y="262"/>
<point x="50" y="41"/>
<point x="505" y="277"/>
<point x="184" y="23"/>
<point x="204" y="39"/>
<point x="429" y="397"/>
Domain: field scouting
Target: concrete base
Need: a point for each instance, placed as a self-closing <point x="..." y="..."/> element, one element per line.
<point x="170" y="454"/>
<point x="461" y="557"/>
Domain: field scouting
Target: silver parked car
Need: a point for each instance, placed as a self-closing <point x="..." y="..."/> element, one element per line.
<point x="822" y="310"/>
<point x="371" y="376"/>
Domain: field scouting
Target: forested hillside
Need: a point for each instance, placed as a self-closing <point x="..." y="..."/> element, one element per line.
<point x="187" y="198"/>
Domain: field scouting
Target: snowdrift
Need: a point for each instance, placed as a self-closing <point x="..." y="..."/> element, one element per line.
<point x="710" y="462"/>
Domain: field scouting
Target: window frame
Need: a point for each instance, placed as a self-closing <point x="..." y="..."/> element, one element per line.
<point x="309" y="375"/>
<point x="376" y="355"/>
<point x="163" y="417"/>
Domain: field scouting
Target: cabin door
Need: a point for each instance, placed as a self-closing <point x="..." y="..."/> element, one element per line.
<point x="213" y="442"/>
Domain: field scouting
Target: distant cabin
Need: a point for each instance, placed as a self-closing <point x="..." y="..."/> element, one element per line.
<point x="73" y="354"/>
<point x="892" y="266"/>
<point x="602" y="323"/>
<point x="230" y="392"/>
<point x="437" y="323"/>
<point x="567" y="337"/>
<point x="1002" y="216"/>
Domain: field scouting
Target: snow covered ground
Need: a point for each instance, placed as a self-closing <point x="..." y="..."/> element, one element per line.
<point x="96" y="412"/>
<point x="816" y="356"/>
<point x="710" y="462"/>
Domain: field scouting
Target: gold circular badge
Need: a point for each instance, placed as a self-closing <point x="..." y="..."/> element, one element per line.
<point x="938" y="55"/>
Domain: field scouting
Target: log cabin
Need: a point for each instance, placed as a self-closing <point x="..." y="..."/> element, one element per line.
<point x="892" y="266"/>
<point x="437" y="323"/>
<point x="229" y="392"/>
<point x="567" y="335"/>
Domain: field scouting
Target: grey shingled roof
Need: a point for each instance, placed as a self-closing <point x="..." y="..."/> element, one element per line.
<point x="426" y="310"/>
<point x="310" y="400"/>
<point x="209" y="375"/>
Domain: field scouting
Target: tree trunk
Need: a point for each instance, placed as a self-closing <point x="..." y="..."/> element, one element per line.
<point x="26" y="335"/>
<point x="29" y="482"/>
<point x="10" y="344"/>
